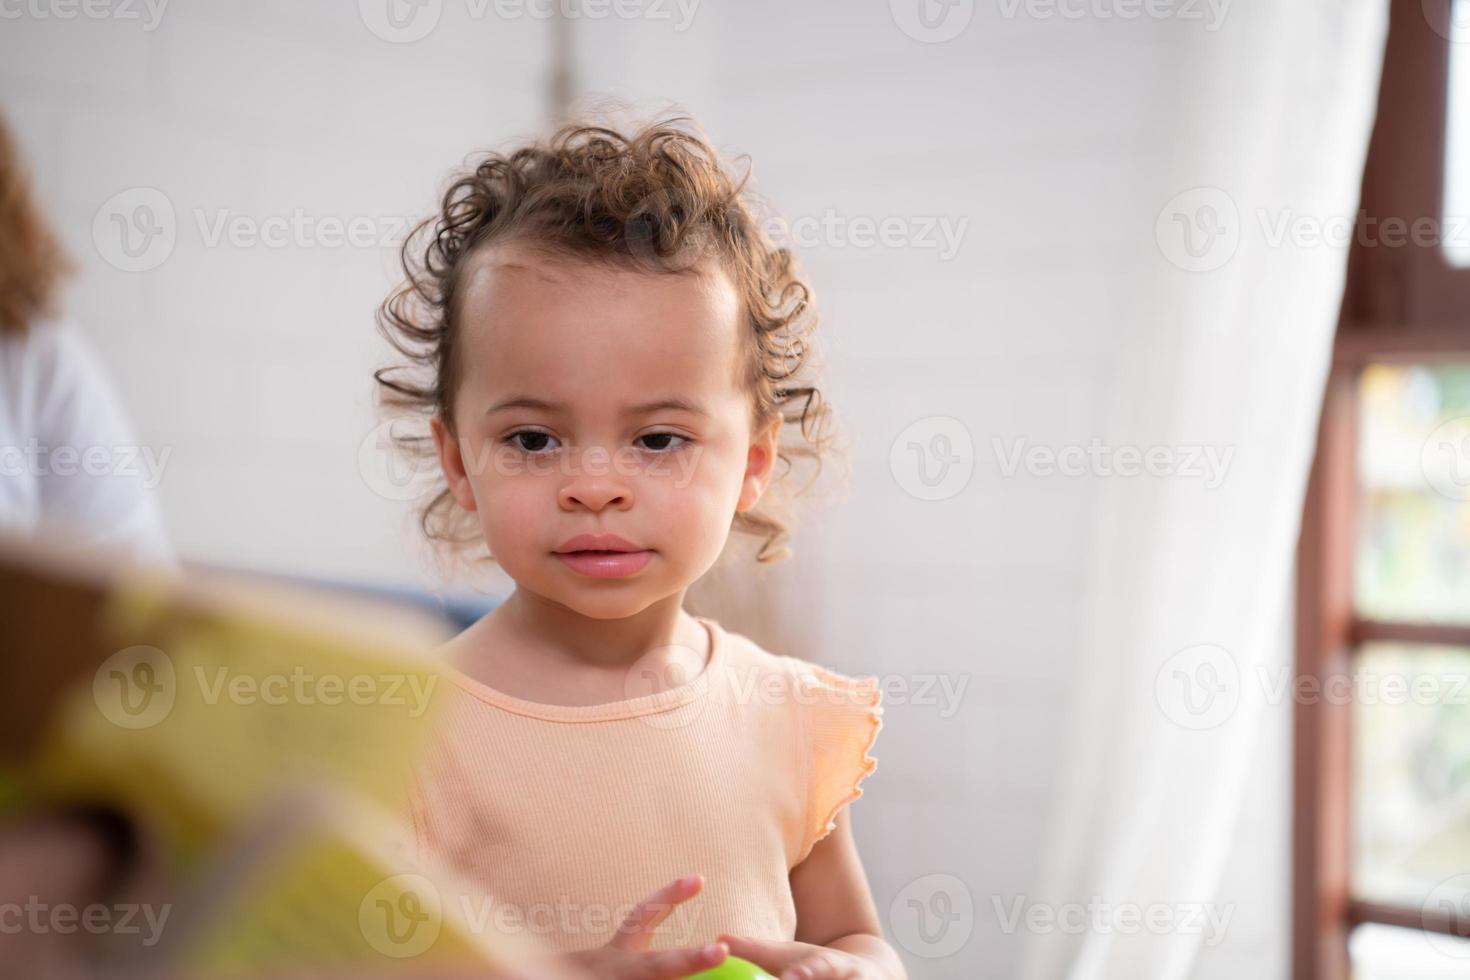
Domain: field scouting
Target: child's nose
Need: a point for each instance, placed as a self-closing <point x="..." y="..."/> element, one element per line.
<point x="595" y="496"/>
<point x="595" y="483"/>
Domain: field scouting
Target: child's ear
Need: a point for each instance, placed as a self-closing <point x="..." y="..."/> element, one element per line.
<point x="760" y="463"/>
<point x="452" y="462"/>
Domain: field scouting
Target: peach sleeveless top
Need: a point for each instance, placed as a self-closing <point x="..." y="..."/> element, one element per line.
<point x="569" y="815"/>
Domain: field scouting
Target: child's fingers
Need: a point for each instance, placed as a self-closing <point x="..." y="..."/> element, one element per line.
<point x="673" y="964"/>
<point x="637" y="929"/>
<point x="820" y="966"/>
<point x="773" y="957"/>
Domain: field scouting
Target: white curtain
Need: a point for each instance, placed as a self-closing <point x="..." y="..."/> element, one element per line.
<point x="1227" y="354"/>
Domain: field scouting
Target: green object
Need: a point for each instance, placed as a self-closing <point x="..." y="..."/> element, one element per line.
<point x="14" y="795"/>
<point x="734" y="968"/>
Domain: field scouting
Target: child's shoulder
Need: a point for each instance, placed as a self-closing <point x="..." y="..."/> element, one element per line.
<point x="838" y="716"/>
<point x="744" y="654"/>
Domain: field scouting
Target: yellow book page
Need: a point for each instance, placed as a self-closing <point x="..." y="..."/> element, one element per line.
<point x="212" y="709"/>
<point x="335" y="899"/>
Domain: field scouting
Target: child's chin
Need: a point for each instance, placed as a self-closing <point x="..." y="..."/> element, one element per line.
<point x="604" y="598"/>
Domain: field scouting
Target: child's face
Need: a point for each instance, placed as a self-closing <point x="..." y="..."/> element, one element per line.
<point x="595" y="342"/>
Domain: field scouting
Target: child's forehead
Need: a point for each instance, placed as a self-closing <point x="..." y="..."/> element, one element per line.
<point x="527" y="318"/>
<point x="528" y="266"/>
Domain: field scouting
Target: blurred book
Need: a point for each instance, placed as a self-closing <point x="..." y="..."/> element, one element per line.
<point x="261" y="740"/>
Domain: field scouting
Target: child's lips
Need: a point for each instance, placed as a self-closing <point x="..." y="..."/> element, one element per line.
<point x="606" y="564"/>
<point x="597" y="542"/>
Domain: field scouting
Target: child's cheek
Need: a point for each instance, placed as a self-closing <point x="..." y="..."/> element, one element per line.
<point x="515" y="513"/>
<point x="695" y="508"/>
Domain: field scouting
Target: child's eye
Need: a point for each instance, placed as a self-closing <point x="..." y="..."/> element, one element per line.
<point x="519" y="439"/>
<point x="535" y="441"/>
<point x="663" y="447"/>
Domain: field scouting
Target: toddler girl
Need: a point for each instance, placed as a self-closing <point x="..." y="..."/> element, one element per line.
<point x="610" y="352"/>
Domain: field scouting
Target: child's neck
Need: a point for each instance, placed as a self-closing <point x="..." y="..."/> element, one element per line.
<point x="541" y="651"/>
<point x="567" y="637"/>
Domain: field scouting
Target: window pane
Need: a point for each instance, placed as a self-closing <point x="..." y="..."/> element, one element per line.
<point x="1413" y="557"/>
<point x="1411" y="774"/>
<point x="1456" y="240"/>
<point x="1385" y="953"/>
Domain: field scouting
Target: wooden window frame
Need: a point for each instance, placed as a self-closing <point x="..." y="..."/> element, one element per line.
<point x="1400" y="304"/>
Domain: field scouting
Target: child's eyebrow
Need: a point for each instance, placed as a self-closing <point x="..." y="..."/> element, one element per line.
<point x="673" y="402"/>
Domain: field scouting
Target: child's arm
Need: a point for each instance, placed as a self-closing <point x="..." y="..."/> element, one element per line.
<point x="838" y="933"/>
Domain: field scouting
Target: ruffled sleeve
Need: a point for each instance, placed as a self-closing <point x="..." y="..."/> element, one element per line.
<point x="841" y="719"/>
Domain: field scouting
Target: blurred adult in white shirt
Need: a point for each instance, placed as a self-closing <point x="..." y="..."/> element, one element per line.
<point x="72" y="469"/>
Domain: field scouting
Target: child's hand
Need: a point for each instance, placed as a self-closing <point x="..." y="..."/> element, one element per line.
<point x="801" y="961"/>
<point x="627" y="956"/>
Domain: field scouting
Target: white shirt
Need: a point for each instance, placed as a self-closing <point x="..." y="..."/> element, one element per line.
<point x="72" y="469"/>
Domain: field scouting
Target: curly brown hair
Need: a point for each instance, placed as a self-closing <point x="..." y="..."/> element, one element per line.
<point x="657" y="200"/>
<point x="32" y="263"/>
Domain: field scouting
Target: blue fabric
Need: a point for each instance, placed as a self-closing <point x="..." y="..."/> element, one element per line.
<point x="460" y="611"/>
